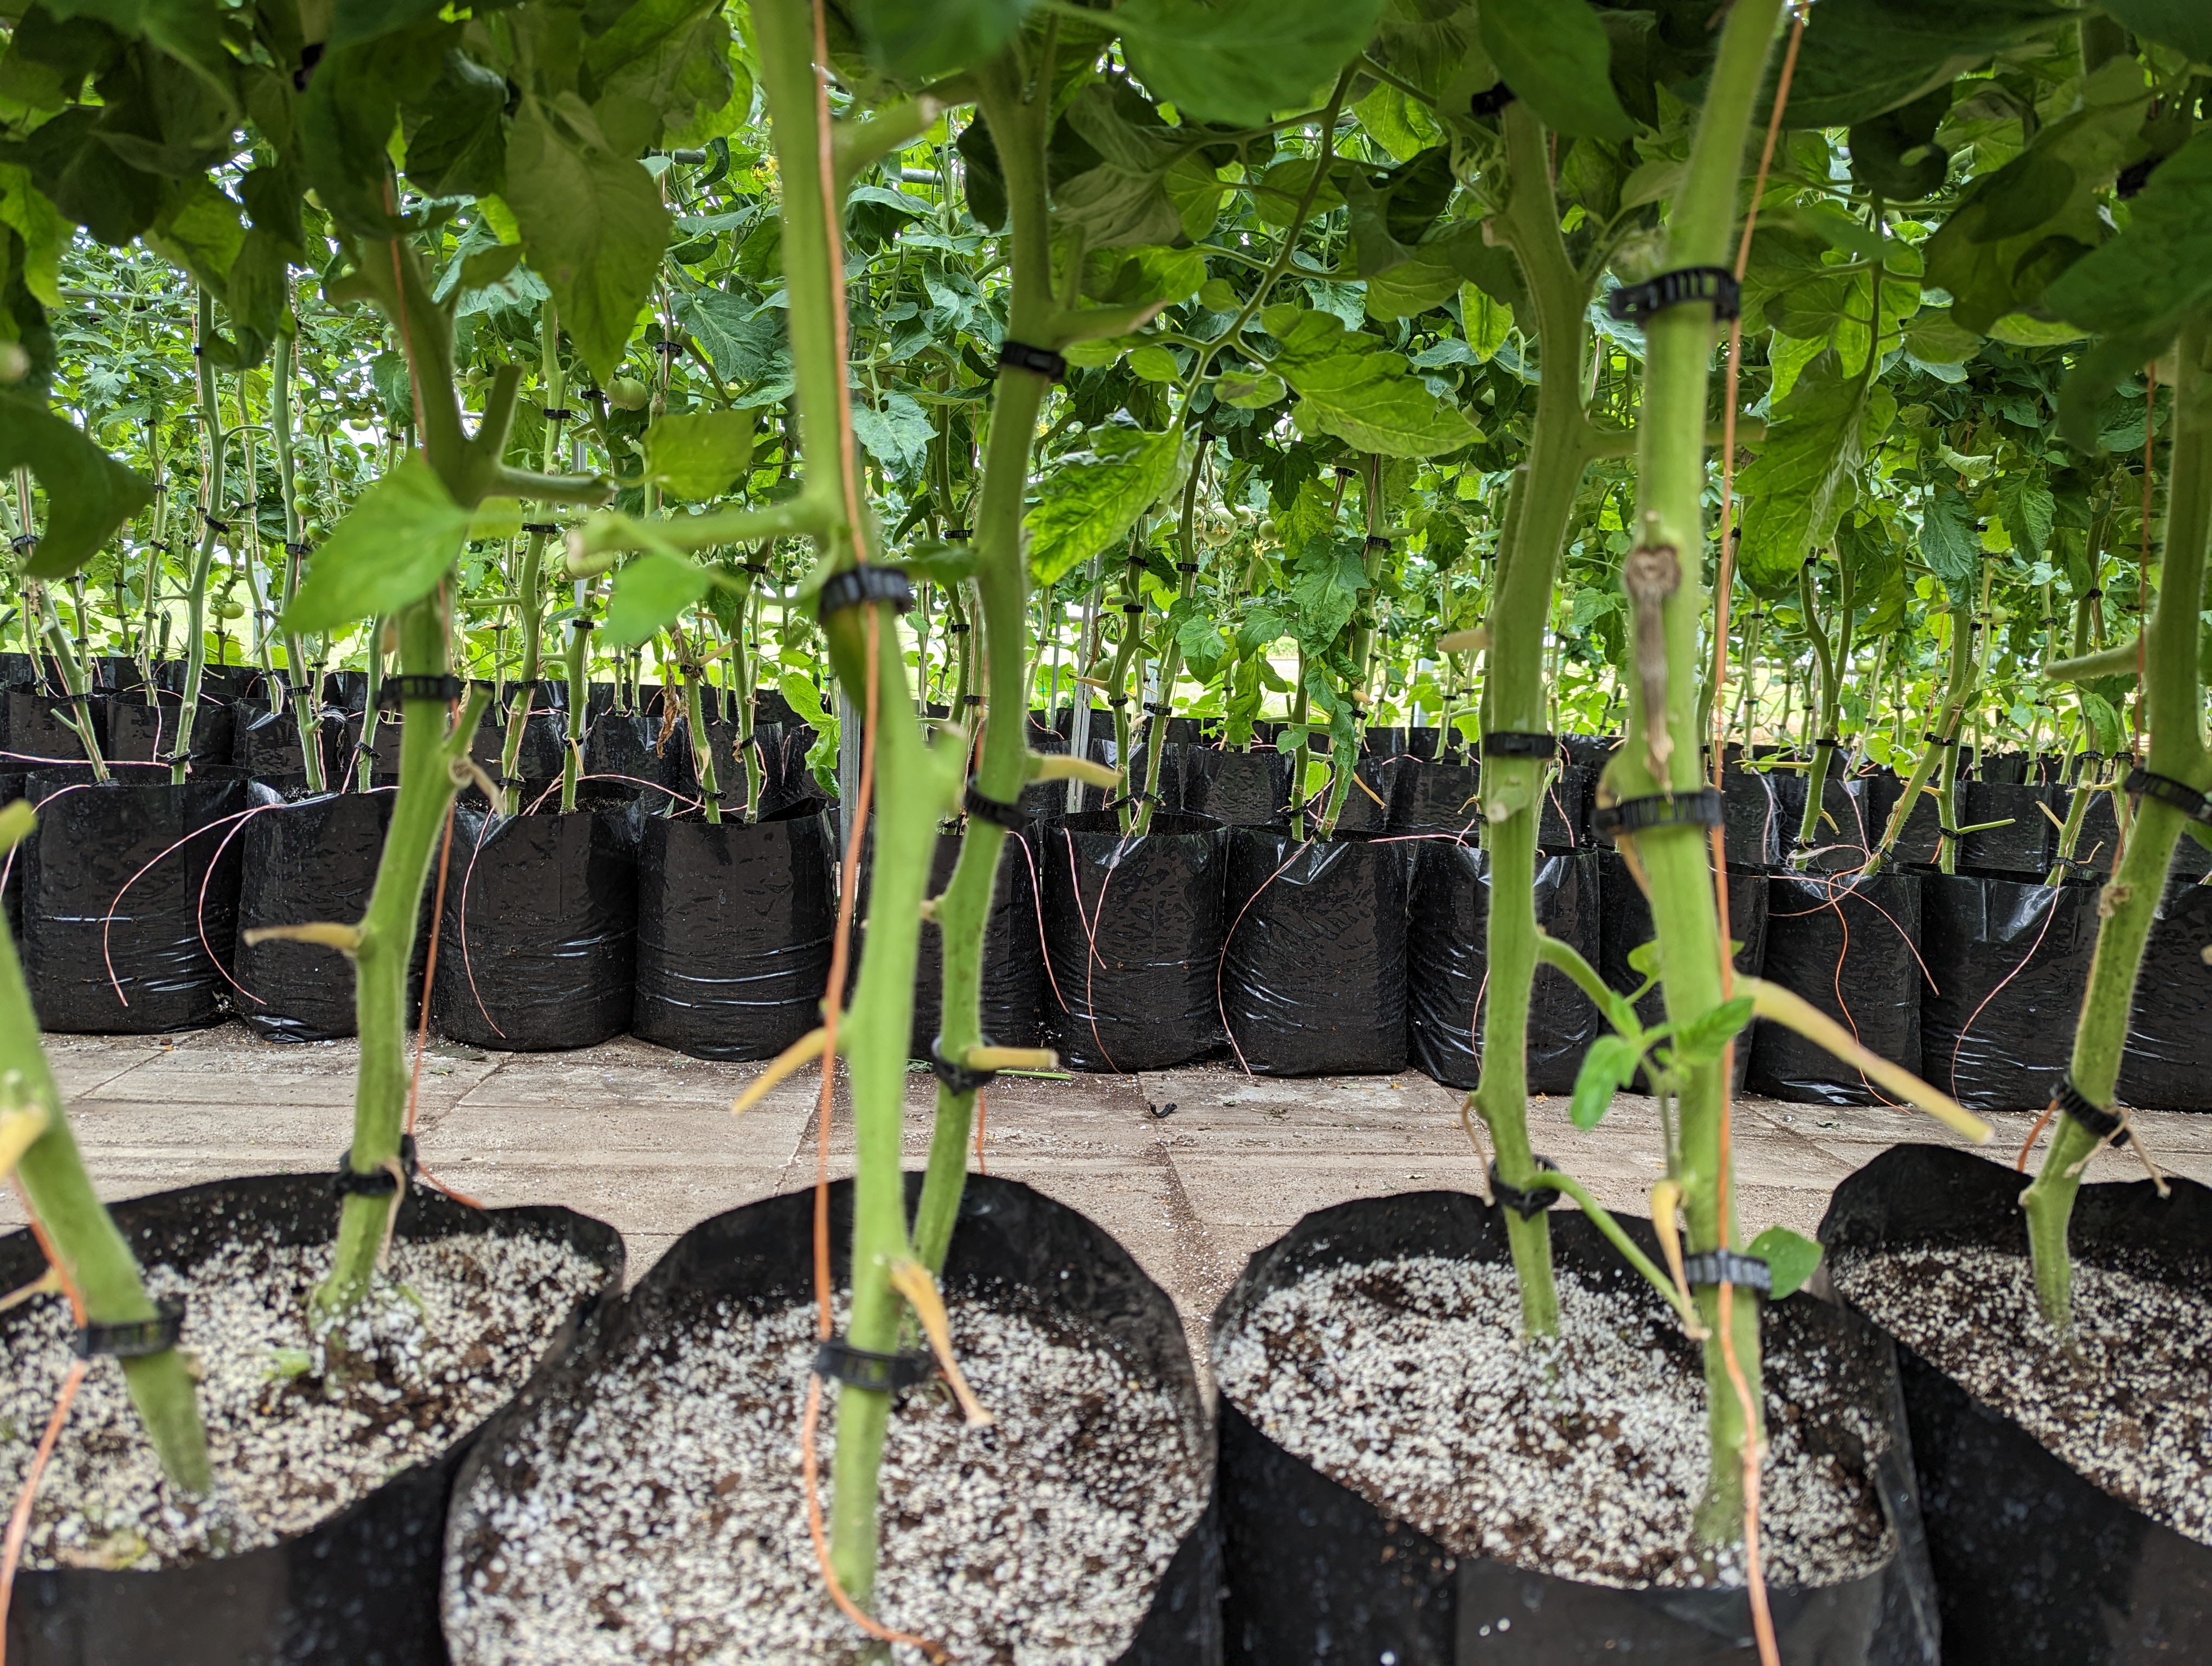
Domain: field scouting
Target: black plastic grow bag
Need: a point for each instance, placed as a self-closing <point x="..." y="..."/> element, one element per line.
<point x="1624" y="925"/>
<point x="2168" y="1063"/>
<point x="1447" y="965"/>
<point x="1848" y="945"/>
<point x="1437" y="798"/>
<point x="141" y="731"/>
<point x="1316" y="1573"/>
<point x="33" y="731"/>
<point x="1755" y="826"/>
<point x="1132" y="939"/>
<point x="131" y="885"/>
<point x="1563" y="818"/>
<point x="2034" y="1562"/>
<point x="2007" y="963"/>
<point x="537" y="948"/>
<point x="361" y="1589"/>
<point x="312" y="860"/>
<point x="1313" y="966"/>
<point x="1237" y="790"/>
<point x="1013" y="954"/>
<point x="734" y="927"/>
<point x="1009" y="1240"/>
<point x="1367" y="796"/>
<point x="1849" y="825"/>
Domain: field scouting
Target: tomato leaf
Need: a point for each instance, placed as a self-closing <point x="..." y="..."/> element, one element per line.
<point x="649" y="593"/>
<point x="403" y="535"/>
<point x="1790" y="1258"/>
<point x="698" y="454"/>
<point x="1700" y="1040"/>
<point x="88" y="493"/>
<point x="1092" y="499"/>
<point x="1554" y="55"/>
<point x="1606" y="1067"/>
<point x="1241" y="61"/>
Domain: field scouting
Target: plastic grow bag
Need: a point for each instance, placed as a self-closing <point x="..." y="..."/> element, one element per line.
<point x="2035" y="1564"/>
<point x="1314" y="1572"/>
<point x="1437" y="797"/>
<point x="544" y="751"/>
<point x="1563" y="822"/>
<point x="1133" y="929"/>
<point x="2168" y="1062"/>
<point x="1367" y="797"/>
<point x="1447" y="965"/>
<point x="2006" y="964"/>
<point x="1753" y="820"/>
<point x="33" y="731"/>
<point x="129" y="887"/>
<point x="315" y="859"/>
<point x="734" y="928"/>
<point x="1237" y="790"/>
<point x="1624" y="925"/>
<point x="1013" y="956"/>
<point x="266" y="744"/>
<point x="1313" y="966"/>
<point x="1849" y="825"/>
<point x="1009" y="1241"/>
<point x="537" y="949"/>
<point x="359" y="1590"/>
<point x="1849" y="945"/>
<point x="140" y="730"/>
<point x="624" y="750"/>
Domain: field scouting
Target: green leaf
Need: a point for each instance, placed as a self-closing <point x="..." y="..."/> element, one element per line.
<point x="1700" y="1040"/>
<point x="2105" y="719"/>
<point x="403" y="535"/>
<point x="2016" y="229"/>
<point x="1790" y="1256"/>
<point x="1895" y="152"/>
<point x="1861" y="58"/>
<point x="592" y="226"/>
<point x="1091" y="499"/>
<point x="1241" y="61"/>
<point x="898" y="435"/>
<point x="745" y="341"/>
<point x="1806" y="472"/>
<point x="1606" y="1067"/>
<point x="940" y="564"/>
<point x="2026" y="507"/>
<point x="1353" y="387"/>
<point x="88" y="493"/>
<point x="1249" y="391"/>
<point x="649" y="594"/>
<point x="1643" y="959"/>
<point x="1555" y="56"/>
<point x="2185" y="25"/>
<point x="459" y="148"/>
<point x="2135" y="291"/>
<point x="1329" y="576"/>
<point x="922" y="39"/>
<point x="1951" y="545"/>
<point x="669" y="57"/>
<point x="804" y="698"/>
<point x="697" y="455"/>
<point x="1204" y="647"/>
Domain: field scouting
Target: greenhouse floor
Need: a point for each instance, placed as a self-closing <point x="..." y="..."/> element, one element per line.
<point x="643" y="1138"/>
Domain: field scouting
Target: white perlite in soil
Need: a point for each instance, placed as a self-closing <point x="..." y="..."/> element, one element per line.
<point x="2130" y="1406"/>
<point x="672" y="1525"/>
<point x="1581" y="1455"/>
<point x="456" y="1331"/>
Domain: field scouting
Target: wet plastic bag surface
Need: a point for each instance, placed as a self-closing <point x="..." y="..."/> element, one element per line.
<point x="1313" y="975"/>
<point x="303" y="862"/>
<point x="2168" y="1062"/>
<point x="1848" y="945"/>
<point x="734" y="927"/>
<point x="2006" y="964"/>
<point x="1133" y="929"/>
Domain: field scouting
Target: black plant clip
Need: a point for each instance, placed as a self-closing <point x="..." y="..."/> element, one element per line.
<point x="2101" y="1122"/>
<point x="869" y="583"/>
<point x="1041" y="360"/>
<point x="1491" y="99"/>
<point x="1528" y="1202"/>
<point x="1634" y="303"/>
<point x="1702" y="808"/>
<point x="447" y="687"/>
<point x="1518" y="743"/>
<point x="979" y="805"/>
<point x="1727" y="1266"/>
<point x="837" y="1360"/>
<point x="2142" y="783"/>
<point x="958" y="1077"/>
<point x="377" y="1182"/>
<point x="133" y="1339"/>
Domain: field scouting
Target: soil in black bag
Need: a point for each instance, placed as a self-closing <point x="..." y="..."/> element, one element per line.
<point x="1625" y="925"/>
<point x="1850" y="946"/>
<point x="1013" y="954"/>
<point x="1313" y="971"/>
<point x="1133" y="940"/>
<point x="1403" y="1478"/>
<point x="1437" y="798"/>
<point x="2007" y="962"/>
<point x="1079" y="1527"/>
<point x="2065" y="1489"/>
<point x="734" y="928"/>
<point x="312" y="860"/>
<point x="266" y="744"/>
<point x="130" y="903"/>
<point x="536" y="950"/>
<point x="1237" y="790"/>
<point x="1446" y="964"/>
<point x="336" y="1506"/>
<point x="2168" y="1063"/>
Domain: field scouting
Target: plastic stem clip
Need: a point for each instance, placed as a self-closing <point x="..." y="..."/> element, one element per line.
<point x="837" y="1360"/>
<point x="1526" y="1202"/>
<point x="958" y="1077"/>
<point x="2103" y="1123"/>
<point x="377" y="1182"/>
<point x="1518" y="743"/>
<point x="447" y="687"/>
<point x="1041" y="360"/>
<point x="2142" y="783"/>
<point x="1710" y="1266"/>
<point x="979" y="805"/>
<point x="1702" y="808"/>
<point x="131" y="1339"/>
<point x="1634" y="303"/>
<point x="869" y="583"/>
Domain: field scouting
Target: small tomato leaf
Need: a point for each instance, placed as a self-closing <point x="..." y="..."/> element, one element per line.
<point x="1789" y="1258"/>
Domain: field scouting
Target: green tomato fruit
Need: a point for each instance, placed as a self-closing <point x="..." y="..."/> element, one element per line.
<point x="230" y="610"/>
<point x="628" y="392"/>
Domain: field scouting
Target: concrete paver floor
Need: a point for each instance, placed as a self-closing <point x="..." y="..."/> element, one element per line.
<point x="1193" y="1169"/>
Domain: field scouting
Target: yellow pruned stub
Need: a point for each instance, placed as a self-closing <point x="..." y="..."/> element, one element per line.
<point x="793" y="1058"/>
<point x="912" y="1280"/>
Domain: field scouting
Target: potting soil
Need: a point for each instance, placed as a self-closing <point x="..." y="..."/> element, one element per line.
<point x="289" y="1450"/>
<point x="2126" y="1403"/>
<point x="1582" y="1455"/>
<point x="669" y="1523"/>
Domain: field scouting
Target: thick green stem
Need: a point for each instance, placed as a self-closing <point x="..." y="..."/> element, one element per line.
<point x="2174" y="702"/>
<point x="1829" y="658"/>
<point x="530" y="588"/>
<point x="303" y="674"/>
<point x="1669" y="537"/>
<point x="92" y="1253"/>
<point x="1942" y="747"/>
<point x="204" y="557"/>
